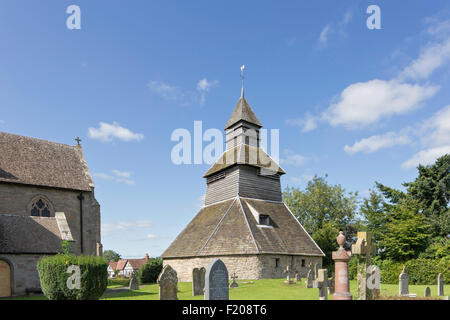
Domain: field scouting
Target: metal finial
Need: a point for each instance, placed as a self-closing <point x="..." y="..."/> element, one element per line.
<point x="78" y="140"/>
<point x="242" y="78"/>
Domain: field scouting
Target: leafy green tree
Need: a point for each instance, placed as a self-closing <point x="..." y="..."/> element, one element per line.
<point x="431" y="189"/>
<point x="323" y="209"/>
<point x="111" y="255"/>
<point x="406" y="233"/>
<point x="375" y="215"/>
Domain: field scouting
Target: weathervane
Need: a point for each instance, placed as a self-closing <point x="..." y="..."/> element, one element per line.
<point x="242" y="78"/>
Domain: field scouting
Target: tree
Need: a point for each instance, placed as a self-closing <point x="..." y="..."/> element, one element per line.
<point x="375" y="215"/>
<point x="323" y="209"/>
<point x="431" y="189"/>
<point x="406" y="233"/>
<point x="111" y="255"/>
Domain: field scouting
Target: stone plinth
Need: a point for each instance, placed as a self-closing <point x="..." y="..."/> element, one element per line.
<point x="341" y="281"/>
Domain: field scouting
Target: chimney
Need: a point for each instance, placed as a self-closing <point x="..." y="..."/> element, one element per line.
<point x="146" y="257"/>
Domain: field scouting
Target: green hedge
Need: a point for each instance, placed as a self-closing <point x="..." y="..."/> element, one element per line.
<point x="53" y="276"/>
<point x="150" y="271"/>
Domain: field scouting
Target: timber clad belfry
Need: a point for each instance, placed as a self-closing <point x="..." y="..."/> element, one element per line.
<point x="46" y="196"/>
<point x="244" y="221"/>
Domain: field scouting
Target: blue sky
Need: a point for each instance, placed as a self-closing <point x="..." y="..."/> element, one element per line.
<point x="359" y="105"/>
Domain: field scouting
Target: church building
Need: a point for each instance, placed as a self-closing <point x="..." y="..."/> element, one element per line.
<point x="46" y="196"/>
<point x="244" y="220"/>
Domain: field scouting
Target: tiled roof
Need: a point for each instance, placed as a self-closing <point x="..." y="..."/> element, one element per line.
<point x="121" y="264"/>
<point x="243" y="112"/>
<point x="229" y="228"/>
<point x="38" y="162"/>
<point x="136" y="263"/>
<point x="113" y="265"/>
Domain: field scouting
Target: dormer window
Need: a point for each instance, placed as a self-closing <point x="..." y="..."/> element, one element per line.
<point x="264" y="220"/>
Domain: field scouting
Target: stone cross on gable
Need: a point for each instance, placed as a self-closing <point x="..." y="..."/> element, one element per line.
<point x="363" y="250"/>
<point x="322" y="283"/>
<point x="78" y="140"/>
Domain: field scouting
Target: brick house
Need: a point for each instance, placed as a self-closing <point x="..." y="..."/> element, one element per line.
<point x="244" y="220"/>
<point x="46" y="196"/>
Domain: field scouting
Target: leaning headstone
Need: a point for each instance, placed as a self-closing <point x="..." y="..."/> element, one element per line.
<point x="331" y="285"/>
<point x="309" y="279"/>
<point x="134" y="283"/>
<point x="198" y="281"/>
<point x="403" y="283"/>
<point x="233" y="283"/>
<point x="322" y="283"/>
<point x="168" y="284"/>
<point x="363" y="249"/>
<point x="216" y="281"/>
<point x="427" y="292"/>
<point x="341" y="281"/>
<point x="440" y="284"/>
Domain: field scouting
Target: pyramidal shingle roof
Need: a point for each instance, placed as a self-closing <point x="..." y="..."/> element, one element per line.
<point x="243" y="112"/>
<point x="230" y="228"/>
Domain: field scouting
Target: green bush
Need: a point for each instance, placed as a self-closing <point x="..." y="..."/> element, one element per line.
<point x="389" y="269"/>
<point x="53" y="276"/>
<point x="352" y="268"/>
<point x="150" y="271"/>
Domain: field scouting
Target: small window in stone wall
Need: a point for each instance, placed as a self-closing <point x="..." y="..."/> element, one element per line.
<point x="277" y="262"/>
<point x="303" y="262"/>
<point x="40" y="207"/>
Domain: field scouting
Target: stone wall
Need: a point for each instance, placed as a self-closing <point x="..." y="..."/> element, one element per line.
<point x="15" y="199"/>
<point x="23" y="271"/>
<point x="250" y="267"/>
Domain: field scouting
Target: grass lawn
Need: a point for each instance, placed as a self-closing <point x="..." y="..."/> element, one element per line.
<point x="268" y="289"/>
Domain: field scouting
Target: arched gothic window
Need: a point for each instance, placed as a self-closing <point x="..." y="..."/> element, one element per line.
<point x="40" y="207"/>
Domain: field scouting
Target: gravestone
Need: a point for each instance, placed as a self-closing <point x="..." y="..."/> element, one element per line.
<point x="331" y="285"/>
<point x="427" y="292"/>
<point x="309" y="279"/>
<point x="198" y="281"/>
<point x="234" y="284"/>
<point x="316" y="270"/>
<point x="403" y="283"/>
<point x="288" y="276"/>
<point x="341" y="281"/>
<point x="440" y="284"/>
<point x="216" y="281"/>
<point x="134" y="283"/>
<point x="322" y="283"/>
<point x="297" y="276"/>
<point x="363" y="249"/>
<point x="168" y="284"/>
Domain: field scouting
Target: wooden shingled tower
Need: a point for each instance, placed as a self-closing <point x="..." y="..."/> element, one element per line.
<point x="244" y="221"/>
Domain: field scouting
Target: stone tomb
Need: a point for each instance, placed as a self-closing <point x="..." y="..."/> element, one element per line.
<point x="198" y="281"/>
<point x="168" y="284"/>
<point x="216" y="281"/>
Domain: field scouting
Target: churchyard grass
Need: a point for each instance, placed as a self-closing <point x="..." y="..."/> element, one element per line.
<point x="267" y="289"/>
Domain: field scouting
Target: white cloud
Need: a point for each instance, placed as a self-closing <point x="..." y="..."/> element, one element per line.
<point x="426" y="157"/>
<point x="431" y="58"/>
<point x="118" y="176"/>
<point x="182" y="96"/>
<point x="107" y="132"/>
<point x="377" y="142"/>
<point x="110" y="228"/>
<point x="364" y="103"/>
<point x="151" y="236"/>
<point x="294" y="159"/>
<point x="323" y="38"/>
<point x="308" y="123"/>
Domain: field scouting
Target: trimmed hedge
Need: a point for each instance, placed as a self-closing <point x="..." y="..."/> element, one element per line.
<point x="150" y="271"/>
<point x="53" y="276"/>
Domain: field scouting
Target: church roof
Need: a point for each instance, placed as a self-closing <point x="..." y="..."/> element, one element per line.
<point x="244" y="154"/>
<point x="243" y="112"/>
<point x="38" y="162"/>
<point x="26" y="234"/>
<point x="230" y="228"/>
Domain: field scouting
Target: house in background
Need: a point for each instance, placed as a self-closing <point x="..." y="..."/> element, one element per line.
<point x="125" y="267"/>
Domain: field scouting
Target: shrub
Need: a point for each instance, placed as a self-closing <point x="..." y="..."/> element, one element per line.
<point x="390" y="270"/>
<point x="150" y="271"/>
<point x="352" y="268"/>
<point x="53" y="277"/>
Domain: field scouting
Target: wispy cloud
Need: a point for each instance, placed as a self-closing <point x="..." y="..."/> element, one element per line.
<point x="292" y="158"/>
<point x="181" y="96"/>
<point x="377" y="142"/>
<point x="323" y="37"/>
<point x="107" y="132"/>
<point x="307" y="123"/>
<point x="338" y="27"/>
<point x="118" y="176"/>
<point x="122" y="226"/>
